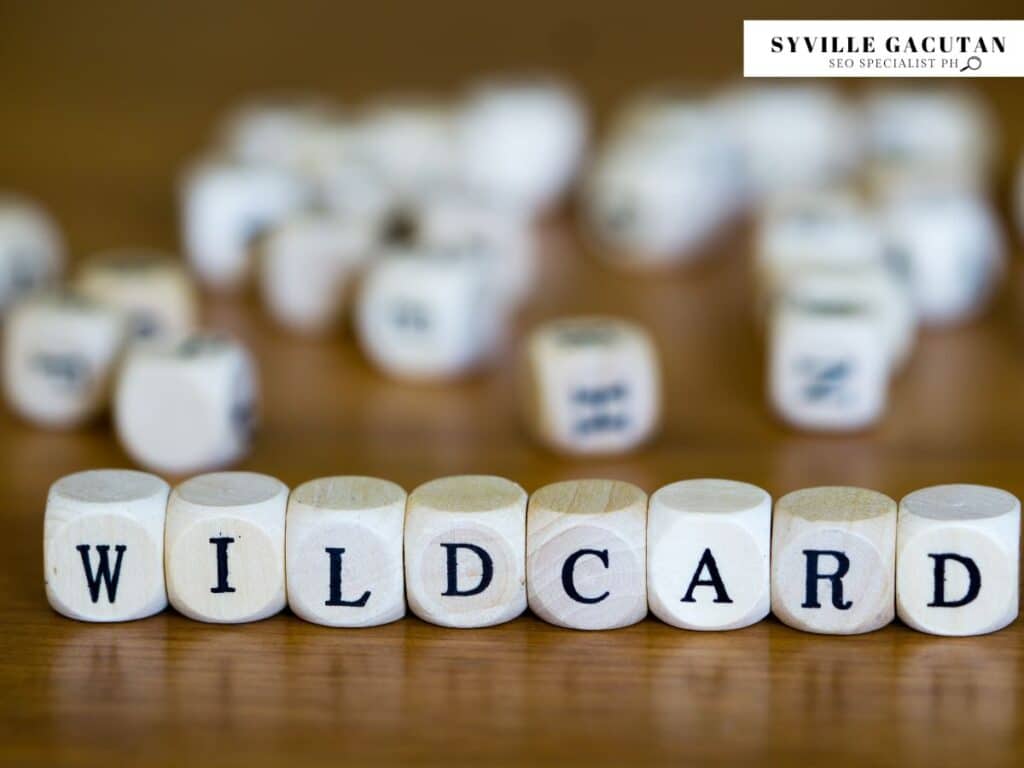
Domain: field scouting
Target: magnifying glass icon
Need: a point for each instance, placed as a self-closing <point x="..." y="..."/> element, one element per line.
<point x="973" y="64"/>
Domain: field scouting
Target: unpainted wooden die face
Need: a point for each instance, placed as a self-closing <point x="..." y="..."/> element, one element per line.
<point x="465" y="551"/>
<point x="586" y="566"/>
<point x="829" y="366"/>
<point x="104" y="547"/>
<point x="833" y="560"/>
<point x="150" y="289"/>
<point x="189" y="407"/>
<point x="225" y="547"/>
<point x="344" y="551"/>
<point x="594" y="385"/>
<point x="708" y="554"/>
<point x="59" y="353"/>
<point x="958" y="559"/>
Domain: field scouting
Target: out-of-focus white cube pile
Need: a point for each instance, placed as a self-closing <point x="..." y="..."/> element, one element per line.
<point x="414" y="220"/>
<point x="873" y="216"/>
<point x="413" y="216"/>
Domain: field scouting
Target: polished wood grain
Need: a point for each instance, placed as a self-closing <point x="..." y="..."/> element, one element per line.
<point x="102" y="103"/>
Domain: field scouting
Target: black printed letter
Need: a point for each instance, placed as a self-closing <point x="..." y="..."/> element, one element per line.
<point x="221" y="543"/>
<point x="453" y="573"/>
<point x="814" y="576"/>
<point x="103" y="571"/>
<point x="973" y="580"/>
<point x="707" y="560"/>
<point x="335" y="554"/>
<point x="569" y="569"/>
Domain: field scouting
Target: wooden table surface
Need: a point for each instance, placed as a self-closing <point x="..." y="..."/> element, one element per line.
<point x="96" y="115"/>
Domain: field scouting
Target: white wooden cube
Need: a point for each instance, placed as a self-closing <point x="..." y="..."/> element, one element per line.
<point x="186" y="407"/>
<point x="274" y="131"/>
<point x="814" y="230"/>
<point x="690" y="118"/>
<point x="224" y="545"/>
<point x="410" y="141"/>
<point x="520" y="143"/>
<point x="657" y="202"/>
<point x="877" y="289"/>
<point x="103" y="545"/>
<point x="793" y="137"/>
<point x="708" y="545"/>
<point x="457" y="220"/>
<point x="958" y="560"/>
<point x="344" y="551"/>
<point x="429" y="313"/>
<point x="323" y="143"/>
<point x="921" y="138"/>
<point x="354" y="186"/>
<point x="592" y="385"/>
<point x="31" y="249"/>
<point x="465" y="551"/>
<point x="226" y="207"/>
<point x="586" y="554"/>
<point x="60" y="352"/>
<point x="665" y="182"/>
<point x="953" y="251"/>
<point x="829" y="363"/>
<point x="834" y="560"/>
<point x="309" y="265"/>
<point x="671" y="113"/>
<point x="152" y="290"/>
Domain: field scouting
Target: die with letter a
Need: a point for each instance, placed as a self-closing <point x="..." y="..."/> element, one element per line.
<point x="708" y="554"/>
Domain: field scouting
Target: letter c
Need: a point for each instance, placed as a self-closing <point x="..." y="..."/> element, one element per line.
<point x="569" y="570"/>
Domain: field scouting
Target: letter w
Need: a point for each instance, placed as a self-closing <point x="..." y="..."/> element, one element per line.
<point x="102" y="575"/>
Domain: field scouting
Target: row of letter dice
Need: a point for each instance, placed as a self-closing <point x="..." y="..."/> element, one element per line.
<point x="474" y="551"/>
